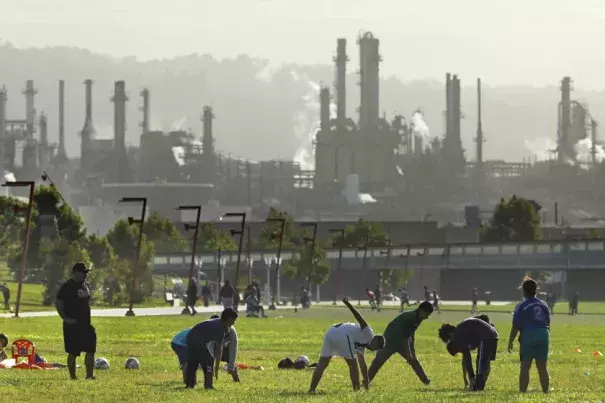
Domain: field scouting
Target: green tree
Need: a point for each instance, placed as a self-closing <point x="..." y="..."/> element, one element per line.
<point x="59" y="256"/>
<point x="514" y="220"/>
<point x="12" y="225"/>
<point x="211" y="238"/>
<point x="164" y="235"/>
<point x="100" y="251"/>
<point x="355" y="235"/>
<point x="302" y="264"/>
<point x="123" y="238"/>
<point x="269" y="236"/>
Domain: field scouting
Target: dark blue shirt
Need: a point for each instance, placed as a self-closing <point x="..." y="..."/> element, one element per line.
<point x="531" y="314"/>
<point x="470" y="333"/>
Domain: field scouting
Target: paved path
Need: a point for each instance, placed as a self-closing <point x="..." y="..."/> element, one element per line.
<point x="119" y="312"/>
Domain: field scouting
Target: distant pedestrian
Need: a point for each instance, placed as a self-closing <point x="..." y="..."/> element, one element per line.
<point x="573" y="304"/>
<point x="6" y="293"/>
<point x="475" y="301"/>
<point x="73" y="305"/>
<point x="427" y="294"/>
<point x="206" y="294"/>
<point x="436" y="302"/>
<point x="227" y="295"/>
<point x="192" y="296"/>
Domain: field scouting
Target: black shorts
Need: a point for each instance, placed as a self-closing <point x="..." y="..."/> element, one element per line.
<point x="79" y="339"/>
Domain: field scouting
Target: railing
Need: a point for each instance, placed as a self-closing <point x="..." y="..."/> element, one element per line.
<point x="412" y="251"/>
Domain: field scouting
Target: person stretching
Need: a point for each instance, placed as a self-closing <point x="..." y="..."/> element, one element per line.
<point x="348" y="340"/>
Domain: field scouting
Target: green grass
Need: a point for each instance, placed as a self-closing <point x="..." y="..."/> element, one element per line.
<point x="266" y="341"/>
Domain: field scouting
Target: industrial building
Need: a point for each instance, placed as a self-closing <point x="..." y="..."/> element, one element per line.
<point x="373" y="166"/>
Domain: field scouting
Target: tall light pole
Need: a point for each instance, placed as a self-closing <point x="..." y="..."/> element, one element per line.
<point x="312" y="241"/>
<point x="280" y="236"/>
<point x="366" y="238"/>
<point x="195" y="228"/>
<point x="337" y="279"/>
<point x="46" y="178"/>
<point x="28" y="218"/>
<point x="386" y="264"/>
<point x="239" y="232"/>
<point x="141" y="222"/>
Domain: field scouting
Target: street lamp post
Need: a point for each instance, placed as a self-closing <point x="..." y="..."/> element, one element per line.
<point x="239" y="232"/>
<point x="195" y="228"/>
<point x="221" y="261"/>
<point x="280" y="236"/>
<point x="46" y="178"/>
<point x="363" y="266"/>
<point x="312" y="241"/>
<point x="141" y="222"/>
<point x="337" y="279"/>
<point x="28" y="217"/>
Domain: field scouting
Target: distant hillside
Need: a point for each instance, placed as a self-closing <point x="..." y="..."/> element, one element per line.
<point x="261" y="111"/>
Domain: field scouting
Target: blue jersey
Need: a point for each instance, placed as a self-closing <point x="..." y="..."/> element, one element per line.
<point x="181" y="338"/>
<point x="531" y="314"/>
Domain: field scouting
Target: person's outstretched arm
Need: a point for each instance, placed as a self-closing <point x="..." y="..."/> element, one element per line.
<point x="362" y="322"/>
<point x="363" y="367"/>
<point x="467" y="363"/>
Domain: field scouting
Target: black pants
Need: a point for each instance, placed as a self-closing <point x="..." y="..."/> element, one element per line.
<point x="486" y="353"/>
<point x="199" y="355"/>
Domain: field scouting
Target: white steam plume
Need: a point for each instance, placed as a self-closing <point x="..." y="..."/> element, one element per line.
<point x="541" y="148"/>
<point x="307" y="121"/>
<point x="584" y="150"/>
<point x="419" y="126"/>
<point x="9" y="176"/>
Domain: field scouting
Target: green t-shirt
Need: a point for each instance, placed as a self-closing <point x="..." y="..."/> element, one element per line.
<point x="403" y="326"/>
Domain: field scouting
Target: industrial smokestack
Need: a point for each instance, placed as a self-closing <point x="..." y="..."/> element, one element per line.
<point x="3" y="140"/>
<point x="369" y="59"/>
<point x="448" y="105"/>
<point x="88" y="131"/>
<point x="565" y="142"/>
<point x="341" y="60"/>
<point x="119" y="113"/>
<point x="207" y="135"/>
<point x="479" y="138"/>
<point x="123" y="172"/>
<point x="43" y="146"/>
<point x="145" y="109"/>
<point x="62" y="152"/>
<point x="30" y="111"/>
<point x="456" y="106"/>
<point x="324" y="109"/>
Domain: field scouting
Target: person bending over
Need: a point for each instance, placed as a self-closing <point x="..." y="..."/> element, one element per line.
<point x="470" y="334"/>
<point x="3" y="344"/>
<point x="348" y="340"/>
<point x="399" y="336"/>
<point x="204" y="347"/>
<point x="229" y="354"/>
<point x="532" y="318"/>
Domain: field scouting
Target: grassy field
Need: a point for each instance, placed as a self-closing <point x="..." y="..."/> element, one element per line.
<point x="576" y="377"/>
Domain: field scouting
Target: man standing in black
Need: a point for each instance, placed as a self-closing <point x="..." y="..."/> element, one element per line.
<point x="73" y="305"/>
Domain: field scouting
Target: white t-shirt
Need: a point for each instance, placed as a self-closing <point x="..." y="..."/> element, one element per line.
<point x="346" y="339"/>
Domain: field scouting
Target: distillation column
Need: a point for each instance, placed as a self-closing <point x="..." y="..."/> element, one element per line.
<point x="119" y="99"/>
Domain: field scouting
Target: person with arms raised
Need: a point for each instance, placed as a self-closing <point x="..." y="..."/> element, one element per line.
<point x="348" y="340"/>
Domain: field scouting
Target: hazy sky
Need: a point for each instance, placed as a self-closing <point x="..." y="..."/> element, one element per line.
<point x="511" y="42"/>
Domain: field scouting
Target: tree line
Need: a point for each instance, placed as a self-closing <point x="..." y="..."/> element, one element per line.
<point x="113" y="256"/>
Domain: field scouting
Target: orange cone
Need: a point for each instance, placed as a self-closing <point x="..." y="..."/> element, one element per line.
<point x="597" y="354"/>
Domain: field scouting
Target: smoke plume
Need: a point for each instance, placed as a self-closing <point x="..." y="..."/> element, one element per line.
<point x="419" y="126"/>
<point x="9" y="176"/>
<point x="307" y="121"/>
<point x="584" y="150"/>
